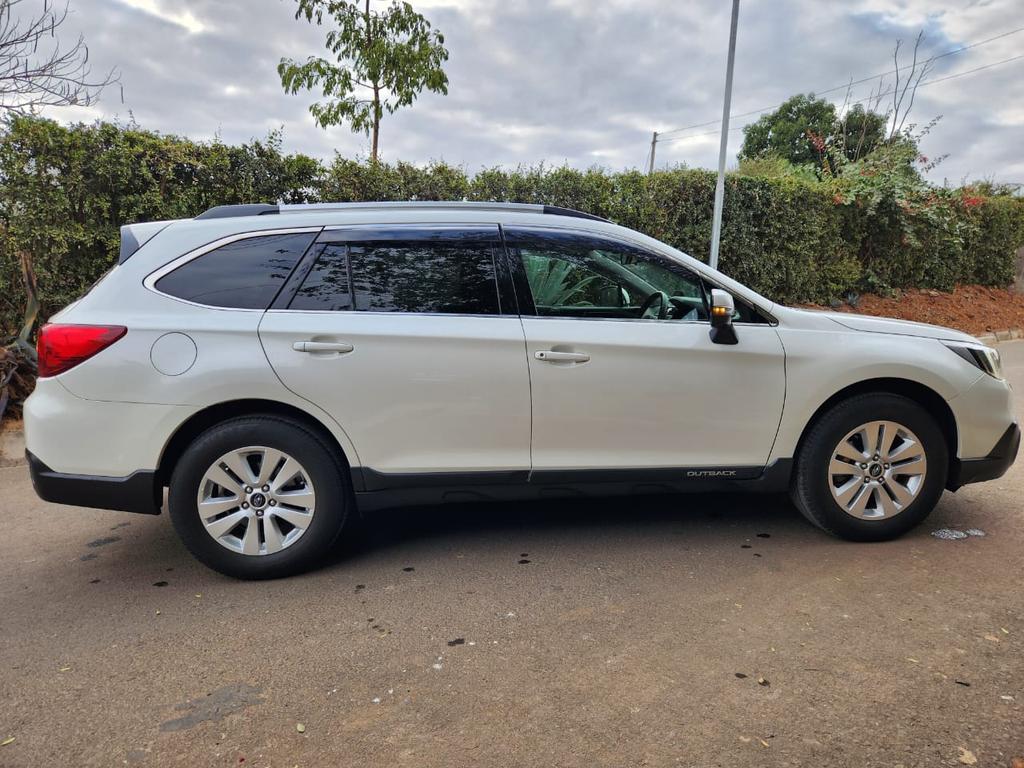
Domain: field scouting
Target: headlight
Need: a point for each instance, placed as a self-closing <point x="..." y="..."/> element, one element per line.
<point x="985" y="358"/>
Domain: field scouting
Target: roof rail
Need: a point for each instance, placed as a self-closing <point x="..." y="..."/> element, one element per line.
<point x="263" y="209"/>
<point x="555" y="210"/>
<point x="231" y="211"/>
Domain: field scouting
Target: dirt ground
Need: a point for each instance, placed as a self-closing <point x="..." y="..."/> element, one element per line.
<point x="688" y="631"/>
<point x="974" y="309"/>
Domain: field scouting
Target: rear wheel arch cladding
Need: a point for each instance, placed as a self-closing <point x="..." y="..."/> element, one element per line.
<point x="193" y="427"/>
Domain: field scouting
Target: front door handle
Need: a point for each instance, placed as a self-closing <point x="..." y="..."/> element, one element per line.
<point x="322" y="346"/>
<point x="551" y="356"/>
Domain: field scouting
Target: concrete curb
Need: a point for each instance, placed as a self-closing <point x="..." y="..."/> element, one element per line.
<point x="995" y="337"/>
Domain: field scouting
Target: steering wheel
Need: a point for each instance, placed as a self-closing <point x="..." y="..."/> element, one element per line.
<point x="659" y="299"/>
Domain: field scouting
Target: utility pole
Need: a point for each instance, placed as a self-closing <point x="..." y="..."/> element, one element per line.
<point x="716" y="225"/>
<point x="654" y="144"/>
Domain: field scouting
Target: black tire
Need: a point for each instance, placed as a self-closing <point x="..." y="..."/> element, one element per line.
<point x="810" y="489"/>
<point x="328" y="474"/>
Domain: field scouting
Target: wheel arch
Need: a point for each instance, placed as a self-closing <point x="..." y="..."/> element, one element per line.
<point x="212" y="415"/>
<point x="920" y="393"/>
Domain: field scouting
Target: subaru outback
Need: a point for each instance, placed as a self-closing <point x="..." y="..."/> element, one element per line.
<point x="279" y="369"/>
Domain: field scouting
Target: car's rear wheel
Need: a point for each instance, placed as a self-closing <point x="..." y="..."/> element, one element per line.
<point x="871" y="468"/>
<point x="259" y="497"/>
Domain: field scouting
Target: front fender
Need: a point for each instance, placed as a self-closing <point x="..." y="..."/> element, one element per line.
<point x="821" y="363"/>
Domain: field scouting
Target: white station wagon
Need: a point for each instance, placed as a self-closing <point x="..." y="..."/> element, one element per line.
<point x="280" y="369"/>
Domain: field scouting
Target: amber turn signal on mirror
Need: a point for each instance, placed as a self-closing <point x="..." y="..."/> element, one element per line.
<point x="722" y="310"/>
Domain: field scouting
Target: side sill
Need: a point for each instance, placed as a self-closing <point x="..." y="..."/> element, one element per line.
<point x="138" y="492"/>
<point x="384" y="490"/>
<point x="389" y="481"/>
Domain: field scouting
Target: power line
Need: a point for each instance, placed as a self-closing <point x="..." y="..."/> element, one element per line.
<point x="923" y="84"/>
<point x="850" y="84"/>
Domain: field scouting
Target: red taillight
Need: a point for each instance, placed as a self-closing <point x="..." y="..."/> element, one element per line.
<point x="62" y="347"/>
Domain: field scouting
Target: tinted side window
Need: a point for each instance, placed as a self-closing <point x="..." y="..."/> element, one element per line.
<point x="245" y="274"/>
<point x="402" y="276"/>
<point x="571" y="275"/>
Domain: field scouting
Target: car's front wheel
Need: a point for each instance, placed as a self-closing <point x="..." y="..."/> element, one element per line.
<point x="871" y="468"/>
<point x="258" y="497"/>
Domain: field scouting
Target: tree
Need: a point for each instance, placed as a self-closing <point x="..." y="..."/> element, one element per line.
<point x="860" y="131"/>
<point x="807" y="131"/>
<point x="35" y="71"/>
<point x="789" y="131"/>
<point x="382" y="60"/>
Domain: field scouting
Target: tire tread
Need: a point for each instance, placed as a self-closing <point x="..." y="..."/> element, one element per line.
<point x="814" y="443"/>
<point x="271" y="422"/>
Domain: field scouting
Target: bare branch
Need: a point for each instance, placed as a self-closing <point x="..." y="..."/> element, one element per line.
<point x="900" y="93"/>
<point x="904" y="92"/>
<point x="928" y="65"/>
<point x="896" y="88"/>
<point x="35" y="72"/>
<point x="847" y="97"/>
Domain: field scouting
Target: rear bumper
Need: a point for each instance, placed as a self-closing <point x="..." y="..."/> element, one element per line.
<point x="991" y="466"/>
<point x="138" y="492"/>
<point x="97" y="437"/>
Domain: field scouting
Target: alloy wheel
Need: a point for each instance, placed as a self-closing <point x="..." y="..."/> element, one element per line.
<point x="877" y="470"/>
<point x="256" y="500"/>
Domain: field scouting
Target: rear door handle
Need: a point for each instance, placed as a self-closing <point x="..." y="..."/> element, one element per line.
<point x="322" y="346"/>
<point x="550" y="356"/>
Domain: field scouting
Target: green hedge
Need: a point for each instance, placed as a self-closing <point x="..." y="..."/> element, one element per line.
<point x="65" y="191"/>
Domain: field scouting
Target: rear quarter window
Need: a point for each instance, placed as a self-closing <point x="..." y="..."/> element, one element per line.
<point x="244" y="274"/>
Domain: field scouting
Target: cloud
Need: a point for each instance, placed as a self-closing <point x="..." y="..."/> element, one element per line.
<point x="184" y="19"/>
<point x="563" y="80"/>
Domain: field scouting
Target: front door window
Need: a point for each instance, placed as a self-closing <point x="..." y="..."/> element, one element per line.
<point x="575" y="277"/>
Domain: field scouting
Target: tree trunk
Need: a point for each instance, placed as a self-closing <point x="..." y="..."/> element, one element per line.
<point x="376" y="123"/>
<point x="376" y="90"/>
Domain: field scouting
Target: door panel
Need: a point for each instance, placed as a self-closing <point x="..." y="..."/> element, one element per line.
<point x="417" y="393"/>
<point x="398" y="333"/>
<point x="652" y="394"/>
<point x="622" y="367"/>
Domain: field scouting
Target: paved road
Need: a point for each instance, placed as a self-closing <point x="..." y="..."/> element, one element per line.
<point x="694" y="631"/>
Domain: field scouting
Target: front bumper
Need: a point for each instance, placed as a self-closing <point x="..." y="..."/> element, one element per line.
<point x="138" y="492"/>
<point x="990" y="467"/>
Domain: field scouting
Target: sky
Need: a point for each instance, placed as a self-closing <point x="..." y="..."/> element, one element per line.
<point x="577" y="82"/>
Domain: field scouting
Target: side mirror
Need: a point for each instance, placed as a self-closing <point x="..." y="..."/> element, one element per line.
<point x="722" y="309"/>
